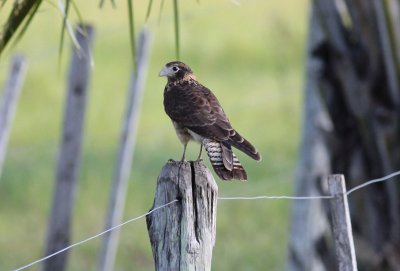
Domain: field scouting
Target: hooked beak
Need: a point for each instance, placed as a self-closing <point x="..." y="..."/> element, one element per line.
<point x="164" y="72"/>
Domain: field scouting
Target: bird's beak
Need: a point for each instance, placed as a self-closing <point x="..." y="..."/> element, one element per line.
<point x="164" y="72"/>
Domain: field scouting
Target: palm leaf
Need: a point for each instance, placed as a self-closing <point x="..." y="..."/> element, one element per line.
<point x="65" y="17"/>
<point x="3" y="2"/>
<point x="160" y="11"/>
<point x="21" y="10"/>
<point x="30" y="16"/>
<point x="132" y="30"/>
<point x="176" y="21"/>
<point x="148" y="10"/>
<point x="78" y="13"/>
<point x="101" y="4"/>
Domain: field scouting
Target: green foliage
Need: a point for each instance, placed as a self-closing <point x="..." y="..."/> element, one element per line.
<point x="20" y="17"/>
<point x="251" y="56"/>
<point x="176" y="23"/>
<point x="22" y="13"/>
<point x="149" y="7"/>
<point x="64" y="24"/>
<point x="132" y="29"/>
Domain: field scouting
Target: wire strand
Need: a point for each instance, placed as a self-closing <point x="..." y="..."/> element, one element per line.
<point x="93" y="237"/>
<point x="219" y="198"/>
<point x="373" y="181"/>
<point x="276" y="197"/>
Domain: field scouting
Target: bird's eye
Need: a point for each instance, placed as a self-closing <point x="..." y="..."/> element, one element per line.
<point x="175" y="69"/>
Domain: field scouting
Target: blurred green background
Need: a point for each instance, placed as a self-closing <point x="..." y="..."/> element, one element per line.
<point x="251" y="55"/>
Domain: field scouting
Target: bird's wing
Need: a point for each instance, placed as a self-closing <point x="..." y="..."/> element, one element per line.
<point x="196" y="108"/>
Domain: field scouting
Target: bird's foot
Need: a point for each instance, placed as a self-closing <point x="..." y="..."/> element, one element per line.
<point x="176" y="161"/>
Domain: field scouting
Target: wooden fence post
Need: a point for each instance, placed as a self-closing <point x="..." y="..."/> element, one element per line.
<point x="125" y="154"/>
<point x="341" y="224"/>
<point x="182" y="235"/>
<point x="8" y="102"/>
<point x="58" y="236"/>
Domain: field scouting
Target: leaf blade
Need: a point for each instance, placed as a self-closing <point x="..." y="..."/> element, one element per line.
<point x="19" y="12"/>
<point x="65" y="16"/>
<point x="148" y="10"/>
<point x="132" y="30"/>
<point x="177" y="29"/>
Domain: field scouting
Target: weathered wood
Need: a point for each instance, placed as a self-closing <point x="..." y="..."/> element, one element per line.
<point x="69" y="156"/>
<point x="182" y="235"/>
<point x="341" y="224"/>
<point x="125" y="154"/>
<point x="352" y="80"/>
<point x="309" y="223"/>
<point x="388" y="51"/>
<point x="8" y="102"/>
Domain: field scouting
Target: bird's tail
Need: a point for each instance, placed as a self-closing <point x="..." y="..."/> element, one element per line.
<point x="224" y="161"/>
<point x="245" y="146"/>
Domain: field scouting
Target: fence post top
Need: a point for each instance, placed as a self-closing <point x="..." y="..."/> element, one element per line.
<point x="337" y="185"/>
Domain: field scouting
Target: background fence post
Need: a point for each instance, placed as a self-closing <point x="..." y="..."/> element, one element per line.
<point x="341" y="224"/>
<point x="58" y="236"/>
<point x="8" y="102"/>
<point x="182" y="235"/>
<point x="125" y="154"/>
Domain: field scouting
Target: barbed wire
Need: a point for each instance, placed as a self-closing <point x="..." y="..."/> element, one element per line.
<point x="385" y="178"/>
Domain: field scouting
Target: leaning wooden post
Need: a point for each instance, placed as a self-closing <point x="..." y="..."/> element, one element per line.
<point x="8" y="101"/>
<point x="341" y="224"/>
<point x="125" y="154"/>
<point x="59" y="232"/>
<point x="182" y="235"/>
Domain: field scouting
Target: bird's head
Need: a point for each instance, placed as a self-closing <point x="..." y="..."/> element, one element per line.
<point x="177" y="70"/>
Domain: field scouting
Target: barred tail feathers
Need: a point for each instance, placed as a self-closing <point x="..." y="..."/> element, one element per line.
<point x="239" y="142"/>
<point x="224" y="161"/>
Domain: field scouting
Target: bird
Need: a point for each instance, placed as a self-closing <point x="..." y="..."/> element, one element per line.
<point x="197" y="115"/>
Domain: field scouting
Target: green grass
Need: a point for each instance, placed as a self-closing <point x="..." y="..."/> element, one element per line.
<point x="250" y="55"/>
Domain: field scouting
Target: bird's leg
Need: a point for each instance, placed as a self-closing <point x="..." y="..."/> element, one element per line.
<point x="201" y="150"/>
<point x="184" y="152"/>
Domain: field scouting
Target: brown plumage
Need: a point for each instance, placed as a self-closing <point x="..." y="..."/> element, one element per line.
<point x="197" y="115"/>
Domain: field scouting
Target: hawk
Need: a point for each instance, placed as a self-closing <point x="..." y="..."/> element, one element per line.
<point x="197" y="115"/>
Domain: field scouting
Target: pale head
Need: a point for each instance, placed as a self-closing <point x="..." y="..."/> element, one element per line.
<point x="177" y="70"/>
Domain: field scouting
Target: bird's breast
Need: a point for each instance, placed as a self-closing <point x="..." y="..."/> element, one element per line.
<point x="185" y="135"/>
<point x="195" y="137"/>
<point x="182" y="133"/>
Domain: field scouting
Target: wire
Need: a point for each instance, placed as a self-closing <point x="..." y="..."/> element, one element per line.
<point x="276" y="197"/>
<point x="316" y="197"/>
<point x="219" y="198"/>
<point x="93" y="237"/>
<point x="373" y="181"/>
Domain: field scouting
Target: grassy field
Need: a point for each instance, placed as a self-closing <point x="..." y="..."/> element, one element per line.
<point x="250" y="55"/>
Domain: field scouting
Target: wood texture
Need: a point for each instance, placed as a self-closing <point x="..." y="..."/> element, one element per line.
<point x="341" y="224"/>
<point x="125" y="154"/>
<point x="353" y="77"/>
<point x="182" y="235"/>
<point x="9" y="100"/>
<point x="59" y="231"/>
<point x="309" y="223"/>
